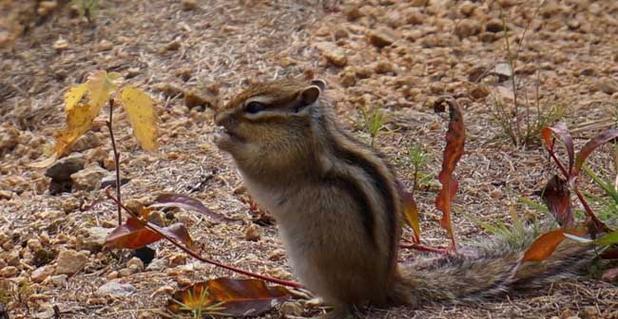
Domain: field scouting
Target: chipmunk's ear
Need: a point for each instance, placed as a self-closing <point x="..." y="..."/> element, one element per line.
<point x="319" y="83"/>
<point x="308" y="96"/>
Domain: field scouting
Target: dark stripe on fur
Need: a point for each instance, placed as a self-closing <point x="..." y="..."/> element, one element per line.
<point x="360" y="197"/>
<point x="380" y="183"/>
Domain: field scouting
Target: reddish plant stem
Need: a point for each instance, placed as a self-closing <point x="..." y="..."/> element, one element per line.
<point x="560" y="166"/>
<point x="119" y="204"/>
<point x="202" y="259"/>
<point x="599" y="225"/>
<point x="116" y="159"/>
<point x="421" y="247"/>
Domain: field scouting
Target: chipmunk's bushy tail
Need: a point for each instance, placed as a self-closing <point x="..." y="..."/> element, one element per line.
<point x="488" y="271"/>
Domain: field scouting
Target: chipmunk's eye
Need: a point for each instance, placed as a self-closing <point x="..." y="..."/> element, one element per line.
<point x="254" y="107"/>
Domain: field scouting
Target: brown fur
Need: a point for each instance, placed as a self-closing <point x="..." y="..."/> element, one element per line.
<point x="339" y="213"/>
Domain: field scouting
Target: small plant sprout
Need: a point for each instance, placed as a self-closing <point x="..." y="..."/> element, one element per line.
<point x="197" y="302"/>
<point x="373" y="122"/>
<point x="418" y="159"/>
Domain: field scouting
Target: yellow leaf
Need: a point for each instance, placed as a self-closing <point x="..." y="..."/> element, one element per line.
<point x="74" y="95"/>
<point x="100" y="86"/>
<point x="80" y="115"/>
<point x="410" y="212"/>
<point x="72" y="98"/>
<point x="81" y="112"/>
<point x="79" y="120"/>
<point x="142" y="116"/>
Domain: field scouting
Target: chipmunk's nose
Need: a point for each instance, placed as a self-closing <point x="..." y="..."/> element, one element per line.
<point x="225" y="119"/>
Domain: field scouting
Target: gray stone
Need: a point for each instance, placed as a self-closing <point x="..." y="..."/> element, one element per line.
<point x="157" y="264"/>
<point x="115" y="289"/>
<point x="110" y="180"/>
<point x="333" y="53"/>
<point x="89" y="178"/>
<point x="45" y="314"/>
<point x="135" y="264"/>
<point x="41" y="273"/>
<point x="382" y="37"/>
<point x="93" y="238"/>
<point x="58" y="280"/>
<point x="86" y="142"/>
<point x="62" y="169"/>
<point x="70" y="262"/>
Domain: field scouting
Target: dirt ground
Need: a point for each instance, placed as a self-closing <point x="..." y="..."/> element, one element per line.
<point x="396" y="56"/>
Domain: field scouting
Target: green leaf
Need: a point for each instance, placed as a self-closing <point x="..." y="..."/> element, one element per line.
<point x="605" y="185"/>
<point x="609" y="239"/>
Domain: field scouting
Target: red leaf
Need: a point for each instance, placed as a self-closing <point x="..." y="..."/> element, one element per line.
<point x="455" y="140"/>
<point x="186" y="202"/>
<point x="575" y="165"/>
<point x="410" y="212"/>
<point x="597" y="141"/>
<point x="562" y="131"/>
<point x="178" y="232"/>
<point x="544" y="246"/>
<point x="229" y="297"/>
<point x="132" y="235"/>
<point x="557" y="197"/>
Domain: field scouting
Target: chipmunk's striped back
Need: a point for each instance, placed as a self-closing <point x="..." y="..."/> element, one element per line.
<point x="350" y="152"/>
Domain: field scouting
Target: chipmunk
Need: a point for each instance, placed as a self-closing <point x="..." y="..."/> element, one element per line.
<point x="339" y="212"/>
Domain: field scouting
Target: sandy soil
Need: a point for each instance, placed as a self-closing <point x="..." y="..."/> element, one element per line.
<point x="396" y="56"/>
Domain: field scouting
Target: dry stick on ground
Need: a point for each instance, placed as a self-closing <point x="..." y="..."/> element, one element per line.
<point x="156" y="229"/>
<point x="116" y="159"/>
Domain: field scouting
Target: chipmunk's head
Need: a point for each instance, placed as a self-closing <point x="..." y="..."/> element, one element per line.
<point x="269" y="124"/>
